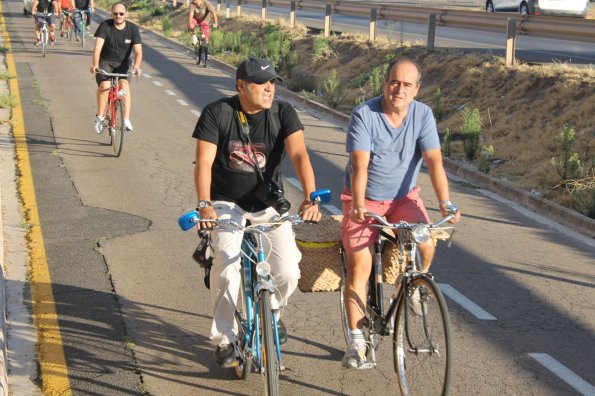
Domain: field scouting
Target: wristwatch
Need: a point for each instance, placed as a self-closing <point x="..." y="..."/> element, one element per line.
<point x="202" y="204"/>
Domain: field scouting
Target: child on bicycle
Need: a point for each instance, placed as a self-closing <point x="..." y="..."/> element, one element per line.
<point x="387" y="138"/>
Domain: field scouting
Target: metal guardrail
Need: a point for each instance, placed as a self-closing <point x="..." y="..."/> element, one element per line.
<point x="575" y="29"/>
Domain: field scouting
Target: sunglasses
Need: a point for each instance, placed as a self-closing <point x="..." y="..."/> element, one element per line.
<point x="118" y="13"/>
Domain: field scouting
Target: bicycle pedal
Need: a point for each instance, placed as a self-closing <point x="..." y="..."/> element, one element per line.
<point x="282" y="367"/>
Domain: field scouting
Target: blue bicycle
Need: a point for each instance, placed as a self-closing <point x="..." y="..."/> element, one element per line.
<point x="258" y="337"/>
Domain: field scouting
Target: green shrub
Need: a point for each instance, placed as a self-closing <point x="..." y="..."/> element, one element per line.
<point x="447" y="142"/>
<point x="567" y="164"/>
<point x="437" y="102"/>
<point x="471" y="130"/>
<point x="167" y="26"/>
<point x="333" y="89"/>
<point x="485" y="158"/>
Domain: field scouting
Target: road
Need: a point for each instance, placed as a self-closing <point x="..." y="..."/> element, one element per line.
<point x="133" y="313"/>
<point x="529" y="49"/>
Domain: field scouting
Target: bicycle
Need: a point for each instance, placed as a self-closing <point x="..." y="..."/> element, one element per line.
<point x="44" y="33"/>
<point x="257" y="342"/>
<point x="417" y="317"/>
<point x="199" y="42"/>
<point x="66" y="25"/>
<point x="80" y="20"/>
<point x="113" y="120"/>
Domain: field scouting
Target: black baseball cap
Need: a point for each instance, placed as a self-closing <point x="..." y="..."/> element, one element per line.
<point x="257" y="71"/>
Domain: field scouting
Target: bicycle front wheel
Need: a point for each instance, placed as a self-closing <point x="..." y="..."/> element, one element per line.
<point x="422" y="347"/>
<point x="344" y="321"/>
<point x="117" y="128"/>
<point x="268" y="354"/>
<point x="44" y="42"/>
<point x="243" y="315"/>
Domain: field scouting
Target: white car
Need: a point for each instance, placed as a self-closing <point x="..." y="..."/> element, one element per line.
<point x="540" y="7"/>
<point x="578" y="8"/>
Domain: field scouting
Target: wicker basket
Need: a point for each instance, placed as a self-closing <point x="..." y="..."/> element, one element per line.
<point x="320" y="245"/>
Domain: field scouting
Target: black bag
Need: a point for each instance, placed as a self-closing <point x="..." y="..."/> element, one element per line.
<point x="203" y="255"/>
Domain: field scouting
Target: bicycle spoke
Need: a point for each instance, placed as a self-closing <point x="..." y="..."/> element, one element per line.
<point x="421" y="348"/>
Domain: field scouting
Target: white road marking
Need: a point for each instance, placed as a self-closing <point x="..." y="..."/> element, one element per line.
<point x="564" y="373"/>
<point x="146" y="75"/>
<point x="463" y="301"/>
<point x="195" y="112"/>
<point x="181" y="102"/>
<point x="170" y="93"/>
<point x="158" y="83"/>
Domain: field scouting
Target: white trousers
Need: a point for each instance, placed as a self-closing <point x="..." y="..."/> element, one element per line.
<point x="283" y="258"/>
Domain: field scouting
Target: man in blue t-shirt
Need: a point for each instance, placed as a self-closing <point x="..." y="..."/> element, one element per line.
<point x="115" y="41"/>
<point x="388" y="138"/>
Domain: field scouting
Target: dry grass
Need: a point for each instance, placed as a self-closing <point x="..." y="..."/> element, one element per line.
<point x="523" y="107"/>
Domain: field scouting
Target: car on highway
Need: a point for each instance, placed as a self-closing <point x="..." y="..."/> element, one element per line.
<point x="540" y="7"/>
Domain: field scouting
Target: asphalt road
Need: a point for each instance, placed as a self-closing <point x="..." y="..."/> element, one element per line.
<point x="134" y="314"/>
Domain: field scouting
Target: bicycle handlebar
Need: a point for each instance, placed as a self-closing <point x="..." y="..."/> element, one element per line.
<point x="452" y="210"/>
<point x="101" y="71"/>
<point x="227" y="224"/>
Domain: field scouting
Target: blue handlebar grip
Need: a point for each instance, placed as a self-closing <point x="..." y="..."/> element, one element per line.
<point x="188" y="220"/>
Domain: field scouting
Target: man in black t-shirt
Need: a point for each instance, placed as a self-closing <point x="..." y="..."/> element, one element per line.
<point x="228" y="186"/>
<point x="50" y="6"/>
<point x="115" y="41"/>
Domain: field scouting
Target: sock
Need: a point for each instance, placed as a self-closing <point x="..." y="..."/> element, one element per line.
<point x="357" y="336"/>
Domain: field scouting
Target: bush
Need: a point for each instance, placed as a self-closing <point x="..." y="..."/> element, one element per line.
<point x="333" y="90"/>
<point x="471" y="131"/>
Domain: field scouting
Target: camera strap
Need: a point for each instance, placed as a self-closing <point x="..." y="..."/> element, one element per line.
<point x="245" y="134"/>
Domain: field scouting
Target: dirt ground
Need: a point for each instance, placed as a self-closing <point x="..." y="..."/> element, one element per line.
<point x="523" y="108"/>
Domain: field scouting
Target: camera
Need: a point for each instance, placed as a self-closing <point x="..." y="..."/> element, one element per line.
<point x="271" y="194"/>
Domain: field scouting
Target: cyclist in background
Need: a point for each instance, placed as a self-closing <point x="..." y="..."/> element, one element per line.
<point x="115" y="41"/>
<point x="66" y="7"/>
<point x="87" y="6"/>
<point x="53" y="8"/>
<point x="387" y="139"/>
<point x="200" y="14"/>
<point x="228" y="186"/>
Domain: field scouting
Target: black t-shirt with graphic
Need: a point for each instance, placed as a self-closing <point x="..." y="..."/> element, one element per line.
<point x="118" y="43"/>
<point x="45" y="5"/>
<point x="233" y="176"/>
<point x="82" y="4"/>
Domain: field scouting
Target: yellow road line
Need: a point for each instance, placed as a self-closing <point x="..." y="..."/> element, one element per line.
<point x="54" y="372"/>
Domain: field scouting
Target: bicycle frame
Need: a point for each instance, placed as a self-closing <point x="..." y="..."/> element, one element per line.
<point x="44" y="32"/>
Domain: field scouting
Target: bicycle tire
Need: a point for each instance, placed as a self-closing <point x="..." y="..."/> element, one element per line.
<point x="69" y="30"/>
<point x="244" y="363"/>
<point x="43" y="43"/>
<point x="422" y="351"/>
<point x="197" y="54"/>
<point x="269" y="362"/>
<point x="117" y="130"/>
<point x="344" y="321"/>
<point x="83" y="31"/>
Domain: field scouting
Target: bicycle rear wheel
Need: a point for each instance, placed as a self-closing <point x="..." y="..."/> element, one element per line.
<point x="117" y="128"/>
<point x="244" y="363"/>
<point x="422" y="350"/>
<point x="268" y="355"/>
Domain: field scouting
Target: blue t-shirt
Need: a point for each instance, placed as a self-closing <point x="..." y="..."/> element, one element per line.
<point x="395" y="153"/>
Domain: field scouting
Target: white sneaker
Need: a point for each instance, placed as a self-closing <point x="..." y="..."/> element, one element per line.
<point x="128" y="125"/>
<point x="355" y="355"/>
<point x="98" y="124"/>
<point x="414" y="302"/>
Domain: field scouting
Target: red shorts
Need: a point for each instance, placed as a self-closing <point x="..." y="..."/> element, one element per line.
<point x="204" y="26"/>
<point x="356" y="236"/>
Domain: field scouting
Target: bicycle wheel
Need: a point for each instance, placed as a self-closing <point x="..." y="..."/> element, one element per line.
<point x="83" y="31"/>
<point x="197" y="53"/>
<point x="268" y="355"/>
<point x="344" y="321"/>
<point x="44" y="42"/>
<point x="422" y="348"/>
<point x="243" y="316"/>
<point x="69" y="29"/>
<point x="117" y="130"/>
